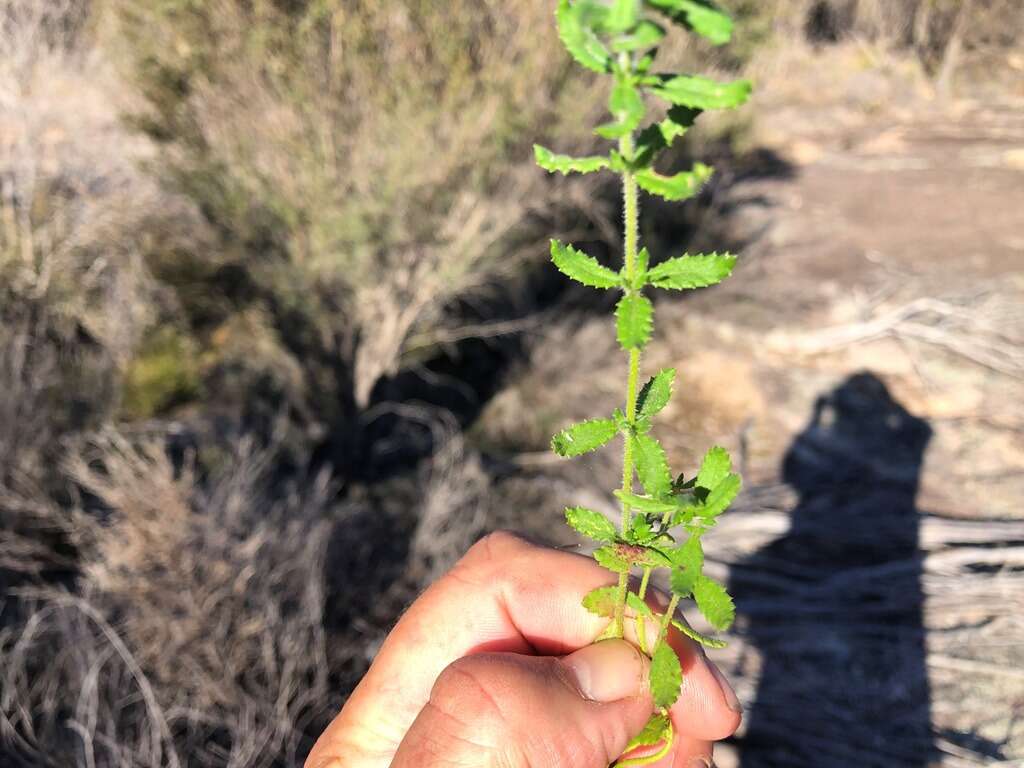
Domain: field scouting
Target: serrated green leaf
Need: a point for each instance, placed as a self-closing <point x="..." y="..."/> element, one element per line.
<point x="690" y="555"/>
<point x="685" y="272"/>
<point x="634" y="320"/>
<point x="666" y="676"/>
<point x="601" y="601"/>
<point x="643" y="258"/>
<point x="676" y="187"/>
<point x="627" y="106"/>
<point x="646" y="35"/>
<point x="714" y="467"/>
<point x="714" y="603"/>
<point x="655" y="393"/>
<point x="682" y="582"/>
<point x="684" y="513"/>
<point x="710" y="642"/>
<point x="640" y="530"/>
<point x="688" y="560"/>
<point x="700" y="92"/>
<point x="582" y="268"/>
<point x="612" y="559"/>
<point x="659" y="136"/>
<point x="651" y="465"/>
<point x="583" y="437"/>
<point x="566" y="164"/>
<point x="645" y="504"/>
<point x="701" y="17"/>
<point x="657" y="730"/>
<point x="649" y="142"/>
<point x="580" y="41"/>
<point x="721" y="497"/>
<point x="637" y="605"/>
<point x="622" y="16"/>
<point x="591" y="524"/>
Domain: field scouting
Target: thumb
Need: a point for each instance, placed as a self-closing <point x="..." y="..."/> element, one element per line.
<point x="506" y="709"/>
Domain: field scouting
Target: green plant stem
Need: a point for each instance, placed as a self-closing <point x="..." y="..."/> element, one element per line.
<point x="645" y="579"/>
<point x="630" y="205"/>
<point x="641" y="622"/>
<point x="666" y="619"/>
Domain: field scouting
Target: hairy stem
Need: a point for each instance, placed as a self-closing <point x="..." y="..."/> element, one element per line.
<point x="641" y="622"/>
<point x="666" y="619"/>
<point x="642" y="592"/>
<point x="630" y="206"/>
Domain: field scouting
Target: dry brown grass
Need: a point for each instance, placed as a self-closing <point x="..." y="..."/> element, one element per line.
<point x="195" y="636"/>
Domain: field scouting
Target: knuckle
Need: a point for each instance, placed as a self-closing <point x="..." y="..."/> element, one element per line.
<point x="499" y="545"/>
<point x="490" y="557"/>
<point x="463" y="692"/>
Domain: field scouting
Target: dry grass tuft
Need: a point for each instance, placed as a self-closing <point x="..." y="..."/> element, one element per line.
<point x="206" y="605"/>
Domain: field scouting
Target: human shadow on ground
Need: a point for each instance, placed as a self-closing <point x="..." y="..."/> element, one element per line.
<point x="835" y="604"/>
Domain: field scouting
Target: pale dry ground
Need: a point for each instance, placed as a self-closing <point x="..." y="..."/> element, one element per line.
<point x="892" y="245"/>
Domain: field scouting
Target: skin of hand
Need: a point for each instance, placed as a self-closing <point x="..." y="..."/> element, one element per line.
<point x="493" y="667"/>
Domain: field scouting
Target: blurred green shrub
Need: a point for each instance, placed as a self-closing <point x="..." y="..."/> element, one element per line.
<point x="361" y="163"/>
<point x="163" y="373"/>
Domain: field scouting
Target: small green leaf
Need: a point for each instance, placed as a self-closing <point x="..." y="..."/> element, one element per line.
<point x="658" y="136"/>
<point x="676" y="187"/>
<point x="710" y="642"/>
<point x="721" y="497"/>
<point x="651" y="465"/>
<point x="690" y="555"/>
<point x="688" y="560"/>
<point x="687" y="271"/>
<point x="583" y="437"/>
<point x="682" y="582"/>
<point x="656" y="393"/>
<point x="607" y="633"/>
<point x="715" y="466"/>
<point x="643" y="258"/>
<point x="714" y="603"/>
<point x="657" y="730"/>
<point x="622" y="16"/>
<point x="645" y="504"/>
<point x="634" y="320"/>
<point x="612" y="559"/>
<point x="685" y="513"/>
<point x="627" y="106"/>
<point x="706" y="21"/>
<point x="640" y="530"/>
<point x="601" y="601"/>
<point x="646" y="35"/>
<point x="591" y="524"/>
<point x="581" y="43"/>
<point x="637" y="605"/>
<point x="565" y="164"/>
<point x="666" y="676"/>
<point x="700" y="92"/>
<point x="582" y="268"/>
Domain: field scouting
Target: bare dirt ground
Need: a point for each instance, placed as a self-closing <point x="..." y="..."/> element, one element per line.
<point x="866" y="363"/>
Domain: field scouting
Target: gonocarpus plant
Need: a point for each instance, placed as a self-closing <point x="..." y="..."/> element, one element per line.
<point x="661" y="526"/>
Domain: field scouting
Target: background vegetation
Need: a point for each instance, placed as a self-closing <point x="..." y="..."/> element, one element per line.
<point x="271" y="279"/>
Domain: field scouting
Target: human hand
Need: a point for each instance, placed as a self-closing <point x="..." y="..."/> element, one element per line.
<point x="493" y="666"/>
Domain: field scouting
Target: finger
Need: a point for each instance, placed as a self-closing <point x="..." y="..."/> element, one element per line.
<point x="505" y="596"/>
<point x="517" y="711"/>
<point x="691" y="753"/>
